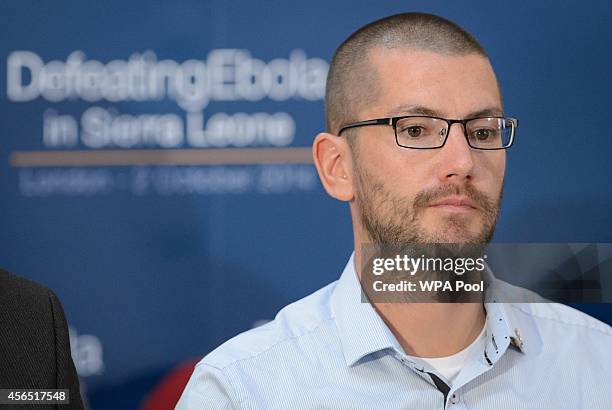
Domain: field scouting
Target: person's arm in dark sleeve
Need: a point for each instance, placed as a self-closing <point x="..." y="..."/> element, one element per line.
<point x="67" y="377"/>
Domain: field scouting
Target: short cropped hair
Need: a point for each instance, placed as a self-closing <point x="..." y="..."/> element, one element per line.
<point x="351" y="81"/>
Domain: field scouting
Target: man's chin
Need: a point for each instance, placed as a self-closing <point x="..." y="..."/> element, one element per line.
<point x="451" y="233"/>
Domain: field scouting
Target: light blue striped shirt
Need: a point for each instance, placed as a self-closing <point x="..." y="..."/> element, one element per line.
<point x="331" y="351"/>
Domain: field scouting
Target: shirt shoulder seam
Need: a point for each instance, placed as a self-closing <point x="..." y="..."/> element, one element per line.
<point x="284" y="340"/>
<point x="238" y="400"/>
<point x="582" y="325"/>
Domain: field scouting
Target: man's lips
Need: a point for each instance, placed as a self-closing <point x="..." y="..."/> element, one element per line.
<point x="455" y="203"/>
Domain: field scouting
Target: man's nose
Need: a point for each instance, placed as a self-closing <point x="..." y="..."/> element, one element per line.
<point x="456" y="161"/>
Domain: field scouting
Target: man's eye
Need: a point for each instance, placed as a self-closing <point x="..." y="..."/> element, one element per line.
<point x="484" y="134"/>
<point x="413" y="131"/>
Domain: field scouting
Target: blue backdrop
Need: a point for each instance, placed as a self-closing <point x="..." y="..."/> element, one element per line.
<point x="158" y="259"/>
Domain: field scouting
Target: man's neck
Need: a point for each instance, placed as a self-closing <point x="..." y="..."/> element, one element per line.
<point x="433" y="329"/>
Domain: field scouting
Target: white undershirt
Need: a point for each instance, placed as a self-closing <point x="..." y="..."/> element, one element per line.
<point x="450" y="366"/>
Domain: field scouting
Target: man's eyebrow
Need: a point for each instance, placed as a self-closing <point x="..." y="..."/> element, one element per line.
<point x="487" y="112"/>
<point x="411" y="109"/>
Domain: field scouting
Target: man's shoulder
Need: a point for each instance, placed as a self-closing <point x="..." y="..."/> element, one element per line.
<point x="292" y="325"/>
<point x="562" y="317"/>
<point x="16" y="290"/>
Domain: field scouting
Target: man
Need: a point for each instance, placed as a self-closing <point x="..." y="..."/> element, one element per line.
<point x="416" y="145"/>
<point x="34" y="343"/>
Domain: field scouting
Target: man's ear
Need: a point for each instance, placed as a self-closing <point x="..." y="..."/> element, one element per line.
<point x="333" y="160"/>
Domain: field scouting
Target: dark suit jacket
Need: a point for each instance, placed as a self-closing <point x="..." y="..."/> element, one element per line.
<point x="34" y="342"/>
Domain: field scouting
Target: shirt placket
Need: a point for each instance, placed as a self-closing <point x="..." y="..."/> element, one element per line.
<point x="498" y="336"/>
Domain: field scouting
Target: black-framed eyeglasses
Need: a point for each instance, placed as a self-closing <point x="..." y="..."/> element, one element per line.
<point x="425" y="132"/>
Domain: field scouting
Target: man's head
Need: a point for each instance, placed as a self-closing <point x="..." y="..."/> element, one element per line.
<point x="411" y="64"/>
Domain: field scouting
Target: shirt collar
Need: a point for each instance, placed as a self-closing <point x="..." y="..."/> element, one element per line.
<point x="363" y="332"/>
<point x="505" y="326"/>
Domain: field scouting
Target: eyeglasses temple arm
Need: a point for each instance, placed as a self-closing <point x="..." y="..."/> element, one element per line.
<point x="378" y="121"/>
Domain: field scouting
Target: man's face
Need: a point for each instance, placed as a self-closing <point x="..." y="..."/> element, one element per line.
<point x="446" y="195"/>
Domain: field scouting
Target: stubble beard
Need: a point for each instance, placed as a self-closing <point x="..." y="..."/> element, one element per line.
<point x="390" y="219"/>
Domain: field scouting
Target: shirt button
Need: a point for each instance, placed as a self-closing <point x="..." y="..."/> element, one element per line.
<point x="454" y="398"/>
